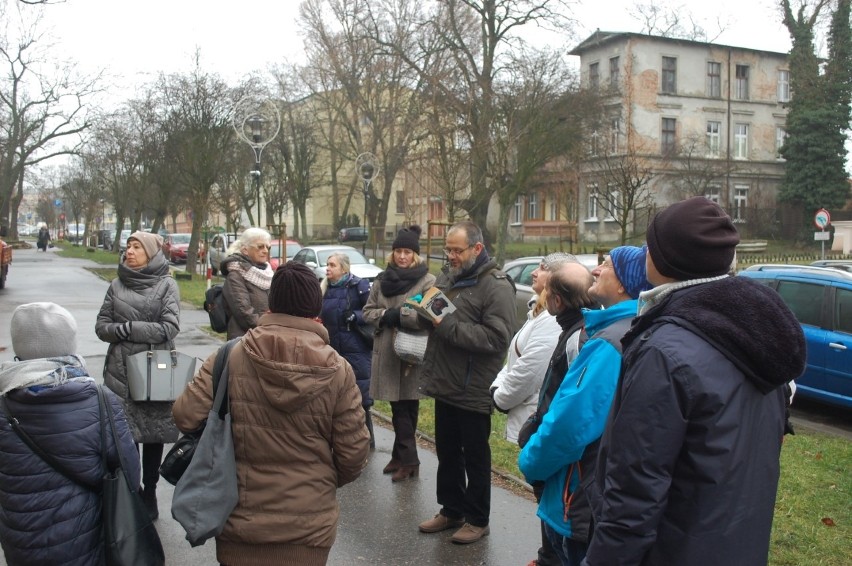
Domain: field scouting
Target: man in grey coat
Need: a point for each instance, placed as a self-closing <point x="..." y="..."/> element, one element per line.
<point x="465" y="353"/>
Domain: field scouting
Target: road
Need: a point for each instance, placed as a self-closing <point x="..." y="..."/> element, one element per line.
<point x="378" y="521"/>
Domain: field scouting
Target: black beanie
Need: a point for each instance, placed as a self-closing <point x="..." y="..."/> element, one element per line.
<point x="408" y="238"/>
<point x="295" y="290"/>
<point x="692" y="239"/>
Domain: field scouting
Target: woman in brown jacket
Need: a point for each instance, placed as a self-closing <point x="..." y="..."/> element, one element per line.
<point x="393" y="379"/>
<point x="247" y="277"/>
<point x="298" y="425"/>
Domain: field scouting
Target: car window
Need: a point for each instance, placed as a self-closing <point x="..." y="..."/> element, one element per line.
<point x="526" y="275"/>
<point x="843" y="311"/>
<point x="514" y="272"/>
<point x="804" y="299"/>
<point x="292" y="249"/>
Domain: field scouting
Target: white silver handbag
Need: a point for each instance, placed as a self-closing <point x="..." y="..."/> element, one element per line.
<point x="410" y="345"/>
<point x="158" y="375"/>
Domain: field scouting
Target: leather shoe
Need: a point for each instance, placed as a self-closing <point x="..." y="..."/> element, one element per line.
<point x="405" y="472"/>
<point x="469" y="533"/>
<point x="440" y="523"/>
<point x="392" y="466"/>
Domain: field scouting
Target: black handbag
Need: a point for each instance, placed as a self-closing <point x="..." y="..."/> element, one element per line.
<point x="179" y="457"/>
<point x="129" y="534"/>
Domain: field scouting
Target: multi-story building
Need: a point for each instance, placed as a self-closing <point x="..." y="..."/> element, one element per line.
<point x="679" y="118"/>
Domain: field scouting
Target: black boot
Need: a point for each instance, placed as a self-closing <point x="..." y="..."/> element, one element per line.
<point x="149" y="497"/>
<point x="370" y="428"/>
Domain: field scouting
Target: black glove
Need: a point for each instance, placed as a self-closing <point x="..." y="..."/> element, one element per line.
<point x="391" y="317"/>
<point x="123" y="330"/>
<point x="350" y="317"/>
<point x="496" y="406"/>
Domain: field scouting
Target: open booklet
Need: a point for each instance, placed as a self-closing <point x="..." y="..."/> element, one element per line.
<point x="433" y="305"/>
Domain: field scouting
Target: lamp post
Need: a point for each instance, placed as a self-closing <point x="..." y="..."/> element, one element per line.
<point x="365" y="164"/>
<point x="257" y="122"/>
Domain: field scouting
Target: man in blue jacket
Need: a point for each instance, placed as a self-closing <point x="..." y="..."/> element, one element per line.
<point x="562" y="453"/>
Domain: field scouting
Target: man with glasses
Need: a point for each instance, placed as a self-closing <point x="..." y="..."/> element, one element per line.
<point x="465" y="352"/>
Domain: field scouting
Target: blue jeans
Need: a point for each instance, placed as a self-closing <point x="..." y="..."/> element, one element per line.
<point x="569" y="551"/>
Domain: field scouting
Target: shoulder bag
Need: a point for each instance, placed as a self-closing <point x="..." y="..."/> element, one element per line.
<point x="365" y="331"/>
<point x="158" y="375"/>
<point x="207" y="493"/>
<point x="179" y="457"/>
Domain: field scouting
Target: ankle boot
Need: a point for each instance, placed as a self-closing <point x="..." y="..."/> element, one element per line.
<point x="392" y="466"/>
<point x="370" y="428"/>
<point x="405" y="472"/>
<point x="149" y="497"/>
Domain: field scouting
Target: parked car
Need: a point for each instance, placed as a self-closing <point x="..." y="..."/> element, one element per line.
<point x="122" y="242"/>
<point x="105" y="238"/>
<point x="74" y="232"/>
<point x="841" y="264"/>
<point x="291" y="248"/>
<point x="354" y="234"/>
<point x="520" y="270"/>
<point x="176" y="247"/>
<point x="821" y="299"/>
<point x="316" y="257"/>
<point x="218" y="249"/>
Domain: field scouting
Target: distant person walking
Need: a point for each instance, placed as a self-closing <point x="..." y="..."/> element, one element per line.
<point x="688" y="463"/>
<point x="395" y="380"/>
<point x="248" y="276"/>
<point x="141" y="311"/>
<point x="43" y="238"/>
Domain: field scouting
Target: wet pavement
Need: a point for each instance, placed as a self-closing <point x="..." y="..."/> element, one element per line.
<point x="378" y="521"/>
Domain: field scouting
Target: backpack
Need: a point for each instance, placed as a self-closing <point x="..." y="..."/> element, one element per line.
<point x="217" y="308"/>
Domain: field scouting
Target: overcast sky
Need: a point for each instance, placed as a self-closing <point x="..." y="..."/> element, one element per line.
<point x="134" y="39"/>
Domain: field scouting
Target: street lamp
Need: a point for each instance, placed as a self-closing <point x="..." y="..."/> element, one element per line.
<point x="257" y="122"/>
<point x="365" y="164"/>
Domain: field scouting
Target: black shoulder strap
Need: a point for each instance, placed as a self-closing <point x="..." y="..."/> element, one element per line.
<point x="48" y="459"/>
<point x="220" y="374"/>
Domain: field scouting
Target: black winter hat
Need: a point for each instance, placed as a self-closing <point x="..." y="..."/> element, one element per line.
<point x="408" y="238"/>
<point x="692" y="239"/>
<point x="295" y="290"/>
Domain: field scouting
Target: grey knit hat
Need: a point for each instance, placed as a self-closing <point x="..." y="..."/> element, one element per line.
<point x="43" y="330"/>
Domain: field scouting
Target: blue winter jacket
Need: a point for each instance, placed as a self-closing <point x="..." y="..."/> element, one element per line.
<point x="337" y="303"/>
<point x="44" y="517"/>
<point x="564" y="449"/>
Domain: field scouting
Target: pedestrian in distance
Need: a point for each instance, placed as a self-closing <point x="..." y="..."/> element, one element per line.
<point x="563" y="451"/>
<point x="688" y="463"/>
<point x="48" y="518"/>
<point x="141" y="311"/>
<point x="343" y="299"/>
<point x="43" y="241"/>
<point x="464" y="355"/>
<point x="248" y="276"/>
<point x="298" y="429"/>
<point x="393" y="379"/>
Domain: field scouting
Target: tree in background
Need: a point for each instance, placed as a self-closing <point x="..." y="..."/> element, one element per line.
<point x="818" y="120"/>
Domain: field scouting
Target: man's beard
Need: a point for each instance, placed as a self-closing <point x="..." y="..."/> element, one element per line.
<point x="463" y="266"/>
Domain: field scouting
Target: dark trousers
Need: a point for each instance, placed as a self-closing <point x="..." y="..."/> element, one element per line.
<point x="152" y="456"/>
<point x="464" y="463"/>
<point x="546" y="554"/>
<point x="569" y="551"/>
<point x="404" y="418"/>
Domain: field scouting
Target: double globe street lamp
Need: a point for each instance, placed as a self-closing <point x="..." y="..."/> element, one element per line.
<point x="257" y="122"/>
<point x="365" y="165"/>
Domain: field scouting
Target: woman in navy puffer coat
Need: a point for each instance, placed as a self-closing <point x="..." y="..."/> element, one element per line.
<point x="344" y="296"/>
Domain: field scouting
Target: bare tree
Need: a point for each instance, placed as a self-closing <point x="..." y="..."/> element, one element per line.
<point x="666" y="20"/>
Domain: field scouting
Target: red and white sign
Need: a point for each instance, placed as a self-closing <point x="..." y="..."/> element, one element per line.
<point x="822" y="219"/>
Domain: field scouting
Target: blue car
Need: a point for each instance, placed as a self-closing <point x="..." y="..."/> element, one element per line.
<point x="821" y="298"/>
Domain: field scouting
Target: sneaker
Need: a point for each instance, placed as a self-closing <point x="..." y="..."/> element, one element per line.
<point x="440" y="523"/>
<point x="470" y="533"/>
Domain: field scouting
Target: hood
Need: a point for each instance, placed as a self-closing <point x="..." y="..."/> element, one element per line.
<point x="744" y="320"/>
<point x="292" y="358"/>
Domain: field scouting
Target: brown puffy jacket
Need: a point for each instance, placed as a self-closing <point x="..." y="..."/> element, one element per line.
<point x="299" y="434"/>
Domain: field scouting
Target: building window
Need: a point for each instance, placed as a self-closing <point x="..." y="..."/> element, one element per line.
<point x="740" y="202"/>
<point x="668" y="139"/>
<point x="614" y="73"/>
<point x="783" y="86"/>
<point x="741" y="83"/>
<point x="593" y="143"/>
<point x="714" y="139"/>
<point x="400" y="202"/>
<point x="712" y="194"/>
<point x="518" y="211"/>
<point x="532" y="205"/>
<point x="669" y="85"/>
<point x="614" y="135"/>
<point x="594" y="76"/>
<point x="714" y="79"/>
<point x="613" y="202"/>
<point x="592" y="204"/>
<point x="780" y="138"/>
<point x="741" y="141"/>
<point x="553" y="208"/>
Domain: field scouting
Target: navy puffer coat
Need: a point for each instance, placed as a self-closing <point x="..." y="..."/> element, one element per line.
<point x="337" y="303"/>
<point x="44" y="517"/>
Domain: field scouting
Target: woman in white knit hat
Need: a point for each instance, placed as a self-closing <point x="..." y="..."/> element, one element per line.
<point x="141" y="311"/>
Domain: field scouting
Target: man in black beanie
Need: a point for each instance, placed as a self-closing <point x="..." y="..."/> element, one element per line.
<point x="688" y="463"/>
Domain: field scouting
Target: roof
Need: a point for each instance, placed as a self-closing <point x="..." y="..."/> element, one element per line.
<point x="600" y="38"/>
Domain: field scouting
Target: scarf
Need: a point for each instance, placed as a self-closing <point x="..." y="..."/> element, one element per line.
<point x="652" y="297"/>
<point x="48" y="372"/>
<point x="397" y="280"/>
<point x="260" y="277"/>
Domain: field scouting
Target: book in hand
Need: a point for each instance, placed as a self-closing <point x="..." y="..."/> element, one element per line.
<point x="432" y="305"/>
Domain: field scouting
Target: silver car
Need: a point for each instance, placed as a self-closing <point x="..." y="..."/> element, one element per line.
<point x="316" y="257"/>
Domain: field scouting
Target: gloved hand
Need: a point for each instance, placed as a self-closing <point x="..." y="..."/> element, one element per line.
<point x="349" y="316"/>
<point x="391" y="317"/>
<point x="123" y="330"/>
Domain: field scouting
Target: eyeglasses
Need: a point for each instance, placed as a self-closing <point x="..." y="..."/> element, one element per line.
<point x="450" y="252"/>
<point x="261" y="247"/>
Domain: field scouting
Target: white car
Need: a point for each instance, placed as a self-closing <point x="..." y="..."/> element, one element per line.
<point x="316" y="257"/>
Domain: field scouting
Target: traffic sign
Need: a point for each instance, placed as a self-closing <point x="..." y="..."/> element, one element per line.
<point x="823" y="235"/>
<point x="57" y="203"/>
<point x="822" y="219"/>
